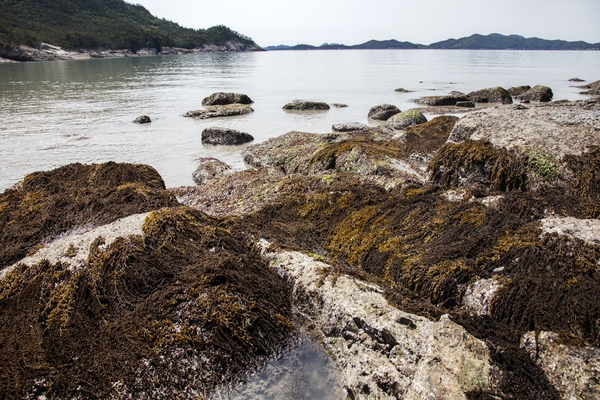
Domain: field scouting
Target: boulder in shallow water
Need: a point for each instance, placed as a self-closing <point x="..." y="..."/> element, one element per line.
<point x="209" y="168"/>
<point x="220" y="111"/>
<point x="593" y="88"/>
<point x="491" y="95"/>
<point x="222" y="98"/>
<point x="142" y="119"/>
<point x="225" y="136"/>
<point x="448" y="100"/>
<point x="540" y="94"/>
<point x="405" y="119"/>
<point x="299" y="105"/>
<point x="382" y="112"/>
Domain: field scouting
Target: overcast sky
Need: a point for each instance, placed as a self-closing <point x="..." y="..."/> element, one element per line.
<point x="273" y="22"/>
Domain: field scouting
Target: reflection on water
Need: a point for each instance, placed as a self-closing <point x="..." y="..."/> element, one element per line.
<point x="303" y="373"/>
<point x="43" y="104"/>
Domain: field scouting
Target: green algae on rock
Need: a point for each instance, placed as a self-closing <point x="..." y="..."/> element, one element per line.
<point x="405" y="119"/>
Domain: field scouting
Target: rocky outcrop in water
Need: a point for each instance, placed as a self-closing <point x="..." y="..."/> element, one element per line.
<point x="448" y="100"/>
<point x="526" y="94"/>
<point x="225" y="136"/>
<point x="491" y="95"/>
<point x="228" y="110"/>
<point x="142" y="119"/>
<point x="592" y="88"/>
<point x="223" y="98"/>
<point x="299" y="105"/>
<point x="349" y="127"/>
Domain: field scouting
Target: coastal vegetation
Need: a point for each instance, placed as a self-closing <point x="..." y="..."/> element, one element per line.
<point x="93" y="24"/>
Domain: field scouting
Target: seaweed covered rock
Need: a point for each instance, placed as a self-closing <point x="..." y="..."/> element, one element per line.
<point x="491" y="95"/>
<point x="48" y="204"/>
<point x="223" y="98"/>
<point x="171" y="308"/>
<point x="209" y="168"/>
<point x="382" y="112"/>
<point x="228" y="110"/>
<point x="225" y="136"/>
<point x="299" y="105"/>
<point x="405" y="119"/>
<point x="478" y="164"/>
<point x="421" y="142"/>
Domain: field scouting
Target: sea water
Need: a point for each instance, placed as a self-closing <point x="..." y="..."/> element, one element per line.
<point x="56" y="113"/>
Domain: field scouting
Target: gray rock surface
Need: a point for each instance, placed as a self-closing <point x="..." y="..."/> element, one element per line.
<point x="556" y="128"/>
<point x="479" y="295"/>
<point x="220" y="111"/>
<point x="573" y="370"/>
<point x="223" y="98"/>
<point x="537" y="93"/>
<point x="405" y="119"/>
<point x="225" y="136"/>
<point x="448" y="100"/>
<point x="349" y="127"/>
<point x="382" y="112"/>
<point x="209" y="168"/>
<point x="73" y="248"/>
<point x="299" y="105"/>
<point x="491" y="95"/>
<point x="592" y="88"/>
<point x="587" y="230"/>
<point x="384" y="353"/>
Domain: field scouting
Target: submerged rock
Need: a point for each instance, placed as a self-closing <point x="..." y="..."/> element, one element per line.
<point x="225" y="136"/>
<point x="339" y="105"/>
<point x="491" y="95"/>
<point x="406" y="119"/>
<point x="402" y="90"/>
<point x="143" y="119"/>
<point x="209" y="168"/>
<point x="222" y="98"/>
<point x="382" y="112"/>
<point x="298" y="105"/>
<point x="220" y="111"/>
<point x="593" y="88"/>
<point x="576" y="80"/>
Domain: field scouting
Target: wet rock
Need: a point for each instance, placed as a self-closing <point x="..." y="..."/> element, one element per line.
<point x="402" y="90"/>
<point x="382" y="112"/>
<point x="448" y="100"/>
<point x="383" y="352"/>
<point x="349" y="127"/>
<point x="220" y="111"/>
<point x="222" y="98"/>
<point x="518" y="90"/>
<point x="142" y="119"/>
<point x="299" y="105"/>
<point x="405" y="119"/>
<point x="465" y="104"/>
<point x="556" y="129"/>
<point x="339" y="105"/>
<point x="573" y="370"/>
<point x="537" y="93"/>
<point x="225" y="136"/>
<point x="209" y="168"/>
<point x="491" y="95"/>
<point x="593" y="88"/>
<point x="576" y="80"/>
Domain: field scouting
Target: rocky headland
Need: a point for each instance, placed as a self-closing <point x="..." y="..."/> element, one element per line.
<point x="444" y="259"/>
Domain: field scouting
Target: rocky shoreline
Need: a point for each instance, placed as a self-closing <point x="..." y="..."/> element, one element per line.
<point x="49" y="52"/>
<point x="447" y="259"/>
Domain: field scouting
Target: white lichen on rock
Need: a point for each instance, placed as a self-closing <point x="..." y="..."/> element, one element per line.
<point x="587" y="230"/>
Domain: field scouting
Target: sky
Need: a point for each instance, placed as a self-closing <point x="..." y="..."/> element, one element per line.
<point x="274" y="22"/>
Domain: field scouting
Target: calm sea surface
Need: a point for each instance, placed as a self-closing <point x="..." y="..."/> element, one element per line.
<point x="55" y="113"/>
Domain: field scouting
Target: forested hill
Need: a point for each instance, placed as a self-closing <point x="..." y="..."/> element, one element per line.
<point x="496" y="41"/>
<point x="92" y="24"/>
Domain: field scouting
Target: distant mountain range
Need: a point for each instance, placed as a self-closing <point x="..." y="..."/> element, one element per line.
<point x="494" y="41"/>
